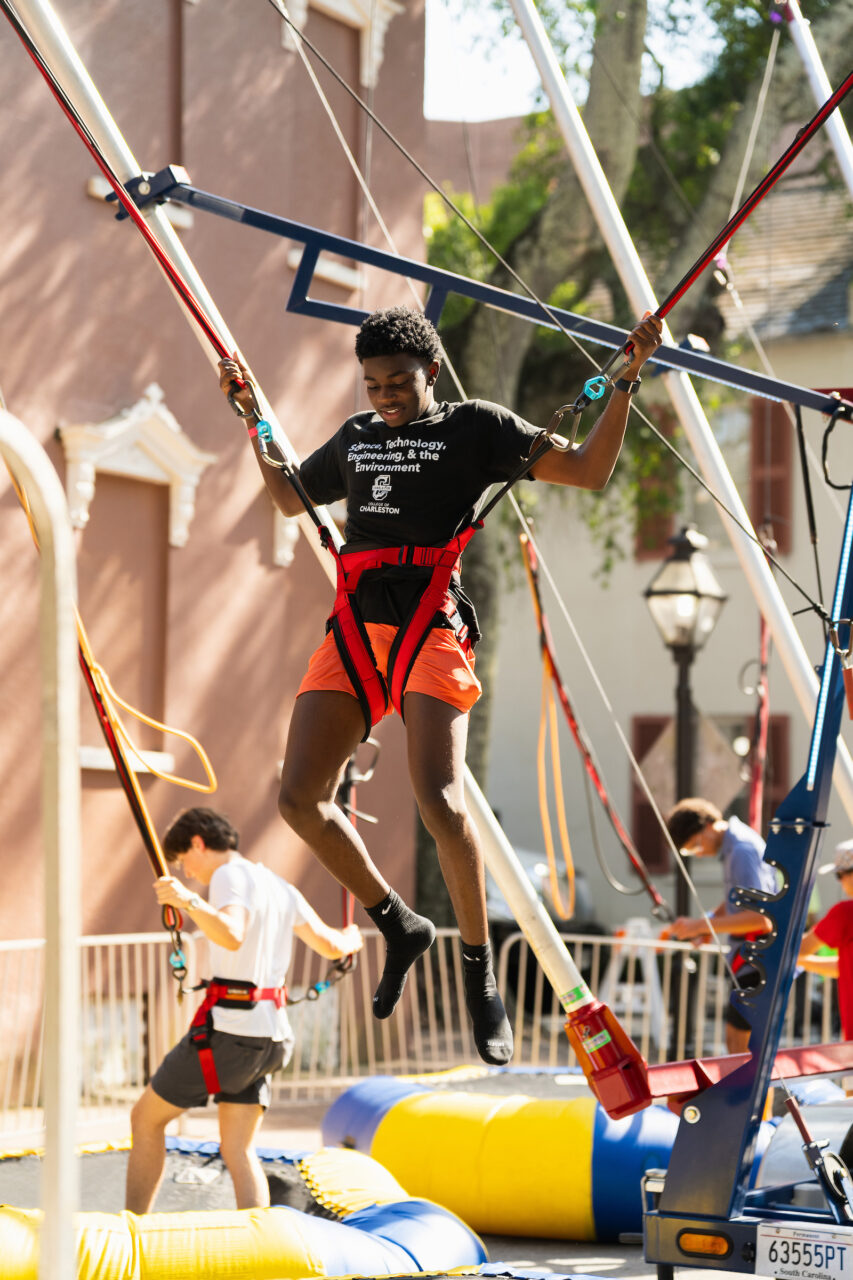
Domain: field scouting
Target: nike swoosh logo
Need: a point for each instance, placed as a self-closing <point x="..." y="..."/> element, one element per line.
<point x="471" y="958"/>
<point x="385" y="910"/>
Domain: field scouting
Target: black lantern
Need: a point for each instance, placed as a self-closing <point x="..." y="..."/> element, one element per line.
<point x="684" y="597"/>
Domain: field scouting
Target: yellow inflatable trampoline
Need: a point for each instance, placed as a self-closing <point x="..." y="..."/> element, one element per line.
<point x="353" y="1218"/>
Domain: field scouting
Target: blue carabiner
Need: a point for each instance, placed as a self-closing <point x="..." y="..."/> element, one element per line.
<point x="264" y="430"/>
<point x="594" y="388"/>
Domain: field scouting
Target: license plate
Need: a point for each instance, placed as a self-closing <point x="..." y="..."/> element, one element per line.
<point x="792" y="1251"/>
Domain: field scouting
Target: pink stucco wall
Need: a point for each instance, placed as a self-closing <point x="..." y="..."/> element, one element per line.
<point x="213" y="636"/>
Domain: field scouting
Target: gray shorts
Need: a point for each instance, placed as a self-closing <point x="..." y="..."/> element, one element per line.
<point x="244" y="1065"/>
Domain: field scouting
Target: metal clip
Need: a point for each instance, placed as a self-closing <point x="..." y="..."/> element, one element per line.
<point x="254" y="412"/>
<point x="594" y="388"/>
<point x="845" y="655"/>
<point x="561" y="443"/>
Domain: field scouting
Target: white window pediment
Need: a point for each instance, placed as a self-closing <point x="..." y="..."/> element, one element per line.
<point x="369" y="17"/>
<point x="144" y="442"/>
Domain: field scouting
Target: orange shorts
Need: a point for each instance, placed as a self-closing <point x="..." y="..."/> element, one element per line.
<point x="441" y="669"/>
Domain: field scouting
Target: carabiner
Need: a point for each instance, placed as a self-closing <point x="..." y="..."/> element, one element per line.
<point x="560" y="443"/>
<point x="594" y="388"/>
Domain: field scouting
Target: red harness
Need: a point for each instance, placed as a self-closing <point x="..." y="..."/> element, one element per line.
<point x="231" y="993"/>
<point x="347" y="625"/>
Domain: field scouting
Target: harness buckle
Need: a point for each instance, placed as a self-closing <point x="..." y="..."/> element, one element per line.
<point x="845" y="655"/>
<point x="200" y="1033"/>
<point x="254" y="412"/>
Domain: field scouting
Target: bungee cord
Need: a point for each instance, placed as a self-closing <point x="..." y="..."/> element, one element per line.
<point x="173" y="274"/>
<point x="723" y="272"/>
<point x="626" y="746"/>
<point x="592" y="771"/>
<point x="119" y="742"/>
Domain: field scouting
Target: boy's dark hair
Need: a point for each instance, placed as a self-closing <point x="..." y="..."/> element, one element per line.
<point x="214" y="828"/>
<point x="689" y="817"/>
<point x="395" y="331"/>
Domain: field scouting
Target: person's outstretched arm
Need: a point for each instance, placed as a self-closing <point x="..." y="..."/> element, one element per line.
<point x="226" y="926"/>
<point x="590" y="465"/>
<point x="278" y="486"/>
<point x="826" y="966"/>
<point x="331" y="943"/>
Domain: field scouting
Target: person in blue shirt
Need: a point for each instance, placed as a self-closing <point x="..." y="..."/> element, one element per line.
<point x="698" y="829"/>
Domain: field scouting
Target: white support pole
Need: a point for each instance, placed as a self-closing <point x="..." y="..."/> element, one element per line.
<point x="533" y="920"/>
<point x="65" y="63"/>
<point x="835" y="127"/>
<point x="687" y="406"/>
<point x="62" y="58"/>
<point x="36" y="476"/>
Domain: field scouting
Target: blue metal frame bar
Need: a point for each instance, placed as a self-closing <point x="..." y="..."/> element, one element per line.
<point x="168" y="184"/>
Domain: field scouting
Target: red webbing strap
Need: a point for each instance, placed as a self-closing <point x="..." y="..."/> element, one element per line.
<point x="356" y="653"/>
<point x="411" y="636"/>
<point x="350" y="635"/>
<point x="200" y="1036"/>
<point x="201" y="1025"/>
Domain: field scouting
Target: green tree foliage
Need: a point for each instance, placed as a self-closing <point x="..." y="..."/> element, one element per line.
<point x="668" y="204"/>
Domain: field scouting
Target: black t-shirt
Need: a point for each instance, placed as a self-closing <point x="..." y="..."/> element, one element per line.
<point x="418" y="485"/>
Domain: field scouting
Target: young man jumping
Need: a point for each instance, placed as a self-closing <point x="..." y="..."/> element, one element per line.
<point x="413" y="472"/>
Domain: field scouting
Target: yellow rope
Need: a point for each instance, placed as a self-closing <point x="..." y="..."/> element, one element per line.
<point x="548" y="725"/>
<point x="112" y="700"/>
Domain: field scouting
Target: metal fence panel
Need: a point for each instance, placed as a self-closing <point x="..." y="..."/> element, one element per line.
<point x="129" y="1017"/>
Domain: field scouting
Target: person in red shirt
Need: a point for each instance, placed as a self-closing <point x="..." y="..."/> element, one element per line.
<point x="835" y="930"/>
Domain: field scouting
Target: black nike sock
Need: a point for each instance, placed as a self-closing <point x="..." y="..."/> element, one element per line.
<point x="492" y="1032"/>
<point x="407" y="936"/>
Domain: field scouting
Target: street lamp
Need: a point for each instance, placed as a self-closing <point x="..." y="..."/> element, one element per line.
<point x="685" y="599"/>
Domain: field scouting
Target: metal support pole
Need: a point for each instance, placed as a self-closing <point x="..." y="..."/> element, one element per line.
<point x="685" y="748"/>
<point x="835" y="127"/>
<point x="60" y="816"/>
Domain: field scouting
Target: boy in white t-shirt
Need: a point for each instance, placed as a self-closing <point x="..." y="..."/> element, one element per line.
<point x="244" y="1034"/>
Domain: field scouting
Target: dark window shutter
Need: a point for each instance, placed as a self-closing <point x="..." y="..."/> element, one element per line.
<point x="651" y="535"/>
<point x="645" y="828"/>
<point x="771" y="456"/>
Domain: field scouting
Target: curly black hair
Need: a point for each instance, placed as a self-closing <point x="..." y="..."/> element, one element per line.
<point x="214" y="828"/>
<point x="689" y="817"/>
<point x="397" y="330"/>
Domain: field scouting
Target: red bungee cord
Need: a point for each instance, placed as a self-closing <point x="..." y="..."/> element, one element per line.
<point x="531" y="563"/>
<point x="736" y="220"/>
<point x="124" y="197"/>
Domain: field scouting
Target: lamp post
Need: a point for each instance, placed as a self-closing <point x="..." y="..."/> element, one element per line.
<point x="685" y="599"/>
